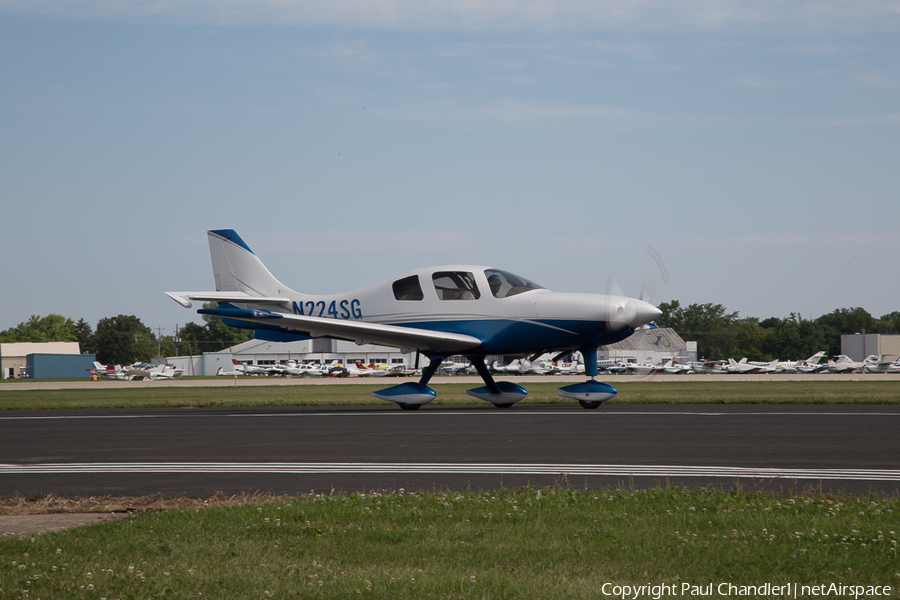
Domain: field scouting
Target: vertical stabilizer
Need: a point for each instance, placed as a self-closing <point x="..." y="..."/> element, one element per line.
<point x="238" y="269"/>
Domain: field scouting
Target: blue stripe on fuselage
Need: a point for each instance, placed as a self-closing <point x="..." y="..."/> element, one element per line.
<point x="499" y="336"/>
<point x="507" y="336"/>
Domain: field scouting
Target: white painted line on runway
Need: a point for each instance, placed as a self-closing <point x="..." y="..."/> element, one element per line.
<point x="479" y="414"/>
<point x="456" y="468"/>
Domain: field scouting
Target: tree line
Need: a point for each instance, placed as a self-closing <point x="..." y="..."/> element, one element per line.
<point x="125" y="339"/>
<point x="719" y="334"/>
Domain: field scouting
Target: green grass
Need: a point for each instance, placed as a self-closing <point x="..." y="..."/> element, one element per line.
<point x="517" y="544"/>
<point x="108" y="394"/>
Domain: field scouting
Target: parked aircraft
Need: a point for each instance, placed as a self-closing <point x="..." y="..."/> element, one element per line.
<point x="441" y="311"/>
<point x="107" y="371"/>
<point x="673" y="368"/>
<point x="519" y="366"/>
<point x="845" y="364"/>
<point x="244" y="369"/>
<point x="452" y="368"/>
<point x="811" y="364"/>
<point x="643" y="368"/>
<point x="708" y="366"/>
<point x="165" y="372"/>
<point x="608" y="363"/>
<point x="309" y="370"/>
<point x="741" y="366"/>
<point x="135" y="371"/>
<point x="394" y="371"/>
<point x="880" y="365"/>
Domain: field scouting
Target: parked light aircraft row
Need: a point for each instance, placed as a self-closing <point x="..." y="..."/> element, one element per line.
<point x="135" y="371"/>
<point x="843" y="364"/>
<point x="476" y="311"/>
<point x="545" y="366"/>
<point x="334" y="369"/>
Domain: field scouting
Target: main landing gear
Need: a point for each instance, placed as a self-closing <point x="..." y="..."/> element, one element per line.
<point x="502" y="394"/>
<point x="410" y="396"/>
<point x="592" y="393"/>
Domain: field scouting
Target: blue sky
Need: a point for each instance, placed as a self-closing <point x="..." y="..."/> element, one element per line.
<point x="755" y="145"/>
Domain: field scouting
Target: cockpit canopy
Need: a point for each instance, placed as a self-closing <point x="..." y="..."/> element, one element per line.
<point x="463" y="285"/>
<point x="504" y="284"/>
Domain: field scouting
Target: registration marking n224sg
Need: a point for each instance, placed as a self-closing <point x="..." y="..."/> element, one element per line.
<point x="336" y="309"/>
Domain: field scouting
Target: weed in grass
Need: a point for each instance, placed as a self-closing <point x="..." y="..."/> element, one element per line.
<point x="527" y="543"/>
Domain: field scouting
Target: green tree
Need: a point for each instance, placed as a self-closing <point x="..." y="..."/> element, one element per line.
<point x="123" y="339"/>
<point x="791" y="338"/>
<point x="84" y="334"/>
<point x="892" y="321"/>
<point x="747" y="338"/>
<point x="212" y="337"/>
<point x="843" y="321"/>
<point x="52" y="328"/>
<point x="710" y="325"/>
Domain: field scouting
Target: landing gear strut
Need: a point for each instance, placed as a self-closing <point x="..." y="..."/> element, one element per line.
<point x="592" y="393"/>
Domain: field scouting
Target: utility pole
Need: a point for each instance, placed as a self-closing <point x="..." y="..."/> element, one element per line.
<point x="159" y="341"/>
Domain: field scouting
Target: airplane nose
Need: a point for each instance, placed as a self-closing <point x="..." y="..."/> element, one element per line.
<point x="638" y="312"/>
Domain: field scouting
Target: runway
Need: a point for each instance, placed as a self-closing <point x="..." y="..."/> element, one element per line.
<point x="298" y="450"/>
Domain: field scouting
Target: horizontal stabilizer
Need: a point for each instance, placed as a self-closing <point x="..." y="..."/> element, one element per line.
<point x="185" y="298"/>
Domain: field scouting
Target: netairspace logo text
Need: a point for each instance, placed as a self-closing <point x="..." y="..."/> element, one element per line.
<point x="729" y="590"/>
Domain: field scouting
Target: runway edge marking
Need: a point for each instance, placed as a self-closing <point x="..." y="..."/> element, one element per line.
<point x="730" y="472"/>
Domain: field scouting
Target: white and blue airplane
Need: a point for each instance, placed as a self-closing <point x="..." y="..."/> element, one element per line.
<point x="441" y="311"/>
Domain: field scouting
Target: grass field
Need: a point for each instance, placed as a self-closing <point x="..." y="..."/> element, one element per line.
<point x="521" y="544"/>
<point x="109" y="395"/>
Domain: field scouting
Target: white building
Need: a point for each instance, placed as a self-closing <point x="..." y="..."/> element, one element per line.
<point x="262" y="353"/>
<point x="652" y="346"/>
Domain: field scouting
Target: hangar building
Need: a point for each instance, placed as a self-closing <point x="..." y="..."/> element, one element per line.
<point x="655" y="346"/>
<point x="858" y="346"/>
<point x="13" y="357"/>
<point x="262" y="353"/>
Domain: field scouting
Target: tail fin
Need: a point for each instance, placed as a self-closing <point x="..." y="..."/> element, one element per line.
<point x="237" y="268"/>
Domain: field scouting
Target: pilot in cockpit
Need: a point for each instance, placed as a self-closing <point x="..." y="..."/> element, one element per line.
<point x="495" y="283"/>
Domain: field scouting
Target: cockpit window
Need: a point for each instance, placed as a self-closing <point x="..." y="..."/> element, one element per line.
<point x="455" y="285"/>
<point x="408" y="288"/>
<point x="504" y="284"/>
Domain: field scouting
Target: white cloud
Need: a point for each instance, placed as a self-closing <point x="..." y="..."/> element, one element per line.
<point x="788" y="241"/>
<point x="514" y="110"/>
<point x="757" y="81"/>
<point x="890" y="119"/>
<point x="876" y="79"/>
<point x="360" y="242"/>
<point x="473" y="15"/>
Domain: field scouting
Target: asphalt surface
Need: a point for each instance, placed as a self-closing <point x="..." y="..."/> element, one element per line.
<point x="298" y="450"/>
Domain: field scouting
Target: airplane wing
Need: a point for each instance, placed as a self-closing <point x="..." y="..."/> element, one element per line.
<point x="359" y="331"/>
